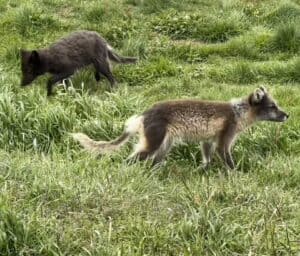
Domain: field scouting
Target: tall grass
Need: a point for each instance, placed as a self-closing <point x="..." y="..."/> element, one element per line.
<point x="287" y="37"/>
<point x="286" y="12"/>
<point x="57" y="199"/>
<point x="245" y="72"/>
<point x="214" y="27"/>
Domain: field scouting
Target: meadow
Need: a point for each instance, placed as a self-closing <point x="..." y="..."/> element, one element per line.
<point x="57" y="199"/>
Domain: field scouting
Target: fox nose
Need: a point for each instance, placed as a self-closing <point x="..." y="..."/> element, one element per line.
<point x="285" y="116"/>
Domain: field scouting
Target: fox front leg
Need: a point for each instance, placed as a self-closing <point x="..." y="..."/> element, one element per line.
<point x="226" y="156"/>
<point x="208" y="149"/>
<point x="54" y="79"/>
<point x="224" y="146"/>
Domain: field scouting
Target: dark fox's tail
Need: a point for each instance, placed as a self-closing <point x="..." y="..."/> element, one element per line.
<point x="119" y="59"/>
<point x="132" y="126"/>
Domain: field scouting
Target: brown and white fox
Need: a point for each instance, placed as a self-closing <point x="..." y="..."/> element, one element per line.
<point x="216" y="124"/>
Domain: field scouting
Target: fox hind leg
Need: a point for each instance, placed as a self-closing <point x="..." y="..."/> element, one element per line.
<point x="163" y="150"/>
<point x="151" y="144"/>
<point x="103" y="67"/>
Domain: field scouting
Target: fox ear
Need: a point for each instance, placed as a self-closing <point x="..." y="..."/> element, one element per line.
<point x="263" y="89"/>
<point x="257" y="96"/>
<point x="34" y="57"/>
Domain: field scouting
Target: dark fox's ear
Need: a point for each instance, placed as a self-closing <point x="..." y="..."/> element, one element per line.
<point x="257" y="96"/>
<point x="34" y="57"/>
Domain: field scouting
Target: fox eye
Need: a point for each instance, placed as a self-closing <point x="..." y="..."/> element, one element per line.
<point x="273" y="106"/>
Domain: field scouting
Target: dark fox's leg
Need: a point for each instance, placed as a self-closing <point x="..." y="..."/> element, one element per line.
<point x="97" y="76"/>
<point x="103" y="67"/>
<point x="54" y="79"/>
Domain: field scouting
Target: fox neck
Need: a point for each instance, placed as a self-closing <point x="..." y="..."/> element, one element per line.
<point x="243" y="114"/>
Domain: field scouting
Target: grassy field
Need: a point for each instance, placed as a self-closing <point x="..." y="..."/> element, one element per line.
<point x="57" y="199"/>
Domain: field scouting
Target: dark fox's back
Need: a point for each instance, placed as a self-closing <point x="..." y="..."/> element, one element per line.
<point x="78" y="40"/>
<point x="75" y="51"/>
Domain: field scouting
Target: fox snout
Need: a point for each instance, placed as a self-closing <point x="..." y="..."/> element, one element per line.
<point x="283" y="116"/>
<point x="278" y="116"/>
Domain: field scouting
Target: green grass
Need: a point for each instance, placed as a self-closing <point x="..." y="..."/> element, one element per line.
<point x="287" y="37"/>
<point x="212" y="27"/>
<point x="57" y="199"/>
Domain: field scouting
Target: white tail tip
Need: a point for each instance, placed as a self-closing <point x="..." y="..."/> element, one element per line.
<point x="79" y="136"/>
<point x="85" y="141"/>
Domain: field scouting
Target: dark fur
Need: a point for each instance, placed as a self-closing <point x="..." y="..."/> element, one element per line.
<point x="69" y="54"/>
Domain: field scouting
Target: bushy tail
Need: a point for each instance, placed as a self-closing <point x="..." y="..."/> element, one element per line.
<point x="119" y="59"/>
<point x="132" y="126"/>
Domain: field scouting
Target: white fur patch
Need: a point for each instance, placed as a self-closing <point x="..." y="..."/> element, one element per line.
<point x="85" y="141"/>
<point x="109" y="47"/>
<point x="80" y="137"/>
<point x="240" y="107"/>
<point x="133" y="124"/>
<point x="236" y="101"/>
<point x="243" y="114"/>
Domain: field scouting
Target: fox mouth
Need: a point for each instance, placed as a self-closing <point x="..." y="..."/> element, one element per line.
<point x="285" y="118"/>
<point x="282" y="118"/>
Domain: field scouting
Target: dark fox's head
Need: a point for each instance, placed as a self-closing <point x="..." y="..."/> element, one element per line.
<point x="31" y="66"/>
<point x="265" y="107"/>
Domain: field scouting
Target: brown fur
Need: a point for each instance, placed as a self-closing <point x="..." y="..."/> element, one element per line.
<point x="216" y="124"/>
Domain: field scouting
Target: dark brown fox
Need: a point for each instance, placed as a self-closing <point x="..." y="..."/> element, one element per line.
<point x="69" y="54"/>
<point x="216" y="124"/>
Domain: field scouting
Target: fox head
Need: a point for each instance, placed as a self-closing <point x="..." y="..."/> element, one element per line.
<point x="265" y="107"/>
<point x="31" y="66"/>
